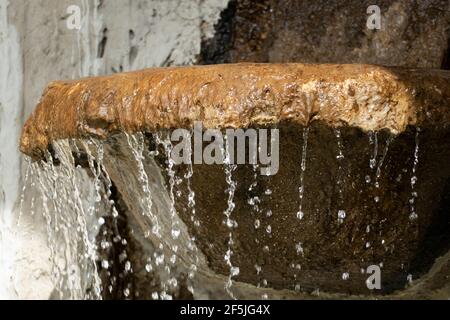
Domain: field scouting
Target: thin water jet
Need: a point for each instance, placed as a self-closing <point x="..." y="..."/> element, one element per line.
<point x="107" y="180"/>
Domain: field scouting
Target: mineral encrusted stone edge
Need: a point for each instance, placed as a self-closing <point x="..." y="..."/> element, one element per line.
<point x="239" y="95"/>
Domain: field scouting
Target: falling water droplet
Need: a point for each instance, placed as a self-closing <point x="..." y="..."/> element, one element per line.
<point x="340" y="155"/>
<point x="173" y="282"/>
<point x="299" y="248"/>
<point x="175" y="233"/>
<point x="234" y="271"/>
<point x="409" y="278"/>
<point x="105" y="244"/>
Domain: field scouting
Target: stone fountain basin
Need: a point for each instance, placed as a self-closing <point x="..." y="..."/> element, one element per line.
<point x="392" y="116"/>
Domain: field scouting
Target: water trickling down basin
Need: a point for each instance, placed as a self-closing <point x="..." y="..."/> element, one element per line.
<point x="125" y="221"/>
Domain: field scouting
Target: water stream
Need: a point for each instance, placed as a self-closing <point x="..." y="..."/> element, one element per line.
<point x="412" y="201"/>
<point x="229" y="222"/>
<point x="301" y="188"/>
<point x="77" y="202"/>
<point x="341" y="214"/>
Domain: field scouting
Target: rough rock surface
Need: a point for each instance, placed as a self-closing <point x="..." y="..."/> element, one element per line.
<point x="412" y="34"/>
<point x="363" y="96"/>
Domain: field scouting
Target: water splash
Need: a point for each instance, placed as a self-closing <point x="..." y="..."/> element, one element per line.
<point x="73" y="251"/>
<point x="68" y="165"/>
<point x="41" y="174"/>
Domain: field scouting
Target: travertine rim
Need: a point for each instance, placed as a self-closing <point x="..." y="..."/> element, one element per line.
<point x="238" y="95"/>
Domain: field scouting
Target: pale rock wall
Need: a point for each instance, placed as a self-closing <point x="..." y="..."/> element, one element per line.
<point x="36" y="47"/>
<point x="11" y="76"/>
